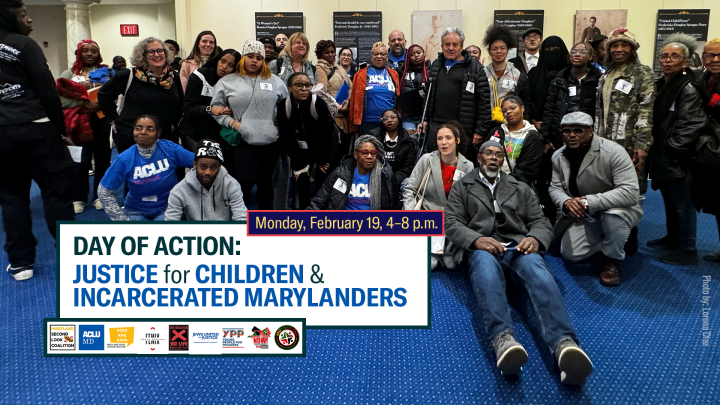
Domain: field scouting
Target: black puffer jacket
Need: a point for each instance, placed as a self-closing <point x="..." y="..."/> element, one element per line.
<point x="405" y="152"/>
<point x="330" y="198"/>
<point x="475" y="106"/>
<point x="557" y="102"/>
<point x="317" y="135"/>
<point x="679" y="118"/>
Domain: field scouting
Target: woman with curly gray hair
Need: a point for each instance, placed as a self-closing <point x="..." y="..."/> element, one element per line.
<point x="679" y="118"/>
<point x="150" y="87"/>
<point x="362" y="181"/>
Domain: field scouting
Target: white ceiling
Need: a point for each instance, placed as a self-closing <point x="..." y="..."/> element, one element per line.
<point x="103" y="2"/>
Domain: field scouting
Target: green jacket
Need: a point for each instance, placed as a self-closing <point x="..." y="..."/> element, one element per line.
<point x="630" y="116"/>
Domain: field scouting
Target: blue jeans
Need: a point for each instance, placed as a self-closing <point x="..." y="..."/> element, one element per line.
<point x="531" y="272"/>
<point x="680" y="214"/>
<point x="138" y="216"/>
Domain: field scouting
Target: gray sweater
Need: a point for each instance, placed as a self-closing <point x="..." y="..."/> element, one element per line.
<point x="223" y="202"/>
<point x="253" y="101"/>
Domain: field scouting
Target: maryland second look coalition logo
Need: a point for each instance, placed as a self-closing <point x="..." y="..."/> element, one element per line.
<point x="179" y="335"/>
<point x="287" y="337"/>
<point x="261" y="337"/>
<point x="62" y="337"/>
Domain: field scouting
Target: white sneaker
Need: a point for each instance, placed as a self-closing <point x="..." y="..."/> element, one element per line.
<point x="21" y="273"/>
<point x="79" y="206"/>
<point x="97" y="204"/>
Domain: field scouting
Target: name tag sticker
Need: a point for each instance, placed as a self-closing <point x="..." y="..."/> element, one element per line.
<point x="507" y="84"/>
<point x="458" y="175"/>
<point x="368" y="88"/>
<point x="572" y="90"/>
<point x="340" y="185"/>
<point x="624" y="86"/>
<point x="391" y="86"/>
<point x="470" y="87"/>
<point x="282" y="70"/>
<point x="78" y="79"/>
<point x="151" y="198"/>
<point x="208" y="91"/>
<point x="302" y="144"/>
<point x="266" y="86"/>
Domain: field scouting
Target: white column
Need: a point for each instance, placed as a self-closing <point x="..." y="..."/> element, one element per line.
<point x="77" y="22"/>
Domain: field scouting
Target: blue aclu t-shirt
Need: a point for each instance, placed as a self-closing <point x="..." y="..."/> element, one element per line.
<point x="396" y="59"/>
<point x="379" y="93"/>
<point x="149" y="180"/>
<point x="359" y="197"/>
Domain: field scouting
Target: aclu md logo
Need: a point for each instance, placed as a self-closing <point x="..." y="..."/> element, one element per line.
<point x="92" y="337"/>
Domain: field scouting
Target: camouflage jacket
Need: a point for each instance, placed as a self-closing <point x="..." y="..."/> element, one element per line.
<point x="630" y="115"/>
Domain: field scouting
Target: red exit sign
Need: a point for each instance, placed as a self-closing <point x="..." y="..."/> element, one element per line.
<point x="128" y="29"/>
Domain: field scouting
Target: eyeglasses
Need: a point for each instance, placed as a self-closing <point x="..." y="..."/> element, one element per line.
<point x="709" y="57"/>
<point x="384" y="119"/>
<point x="581" y="52"/>
<point x="379" y="54"/>
<point x="535" y="36"/>
<point x="511" y="107"/>
<point x="368" y="152"/>
<point x="576" y="131"/>
<point x="488" y="154"/>
<point x="301" y="86"/>
<point x="673" y="57"/>
<point x="345" y="55"/>
<point x="152" y="52"/>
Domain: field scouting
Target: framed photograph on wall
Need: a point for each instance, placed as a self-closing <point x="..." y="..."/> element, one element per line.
<point x="593" y="22"/>
<point x="428" y="25"/>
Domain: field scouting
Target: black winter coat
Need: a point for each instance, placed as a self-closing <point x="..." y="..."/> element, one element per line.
<point x="301" y="126"/>
<point x="197" y="123"/>
<point x="679" y="119"/>
<point x="405" y="152"/>
<point x="330" y="198"/>
<point x="527" y="165"/>
<point x="705" y="195"/>
<point x="474" y="107"/>
<point x="557" y="103"/>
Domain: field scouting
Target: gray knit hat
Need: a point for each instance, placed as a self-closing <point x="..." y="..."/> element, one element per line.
<point x="252" y="46"/>
<point x="489" y="143"/>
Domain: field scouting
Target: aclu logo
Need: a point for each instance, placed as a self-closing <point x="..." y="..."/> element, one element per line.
<point x="62" y="337"/>
<point x="92" y="337"/>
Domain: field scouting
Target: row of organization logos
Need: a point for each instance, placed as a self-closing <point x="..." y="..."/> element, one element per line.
<point x="167" y="337"/>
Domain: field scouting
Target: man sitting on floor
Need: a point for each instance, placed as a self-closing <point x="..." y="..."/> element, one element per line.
<point x="497" y="220"/>
<point x="208" y="192"/>
<point x="595" y="188"/>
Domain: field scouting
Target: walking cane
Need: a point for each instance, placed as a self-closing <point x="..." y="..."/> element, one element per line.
<point x="422" y="137"/>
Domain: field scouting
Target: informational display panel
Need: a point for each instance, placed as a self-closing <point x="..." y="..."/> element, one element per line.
<point x="357" y="30"/>
<point x="519" y="21"/>
<point x="269" y="24"/>
<point x="316" y="266"/>
<point x="691" y="22"/>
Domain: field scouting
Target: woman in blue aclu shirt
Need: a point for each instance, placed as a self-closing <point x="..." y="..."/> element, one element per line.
<point x="374" y="90"/>
<point x="149" y="168"/>
<point x="362" y="182"/>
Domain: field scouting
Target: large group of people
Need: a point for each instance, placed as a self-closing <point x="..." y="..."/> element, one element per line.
<point x="548" y="151"/>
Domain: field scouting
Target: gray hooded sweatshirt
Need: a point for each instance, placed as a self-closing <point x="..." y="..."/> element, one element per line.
<point x="253" y="101"/>
<point x="223" y="202"/>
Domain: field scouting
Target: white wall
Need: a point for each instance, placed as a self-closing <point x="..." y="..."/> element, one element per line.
<point x="153" y="21"/>
<point x="49" y="24"/>
<point x="233" y="21"/>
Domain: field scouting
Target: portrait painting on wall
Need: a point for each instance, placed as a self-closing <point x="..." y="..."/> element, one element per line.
<point x="589" y="23"/>
<point x="428" y="25"/>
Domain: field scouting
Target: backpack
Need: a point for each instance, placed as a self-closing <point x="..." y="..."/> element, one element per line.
<point x="279" y="63"/>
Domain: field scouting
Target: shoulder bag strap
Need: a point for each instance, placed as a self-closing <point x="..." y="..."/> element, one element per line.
<point x="127" y="87"/>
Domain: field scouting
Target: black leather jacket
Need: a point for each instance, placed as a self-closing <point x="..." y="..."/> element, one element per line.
<point x="679" y="118"/>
